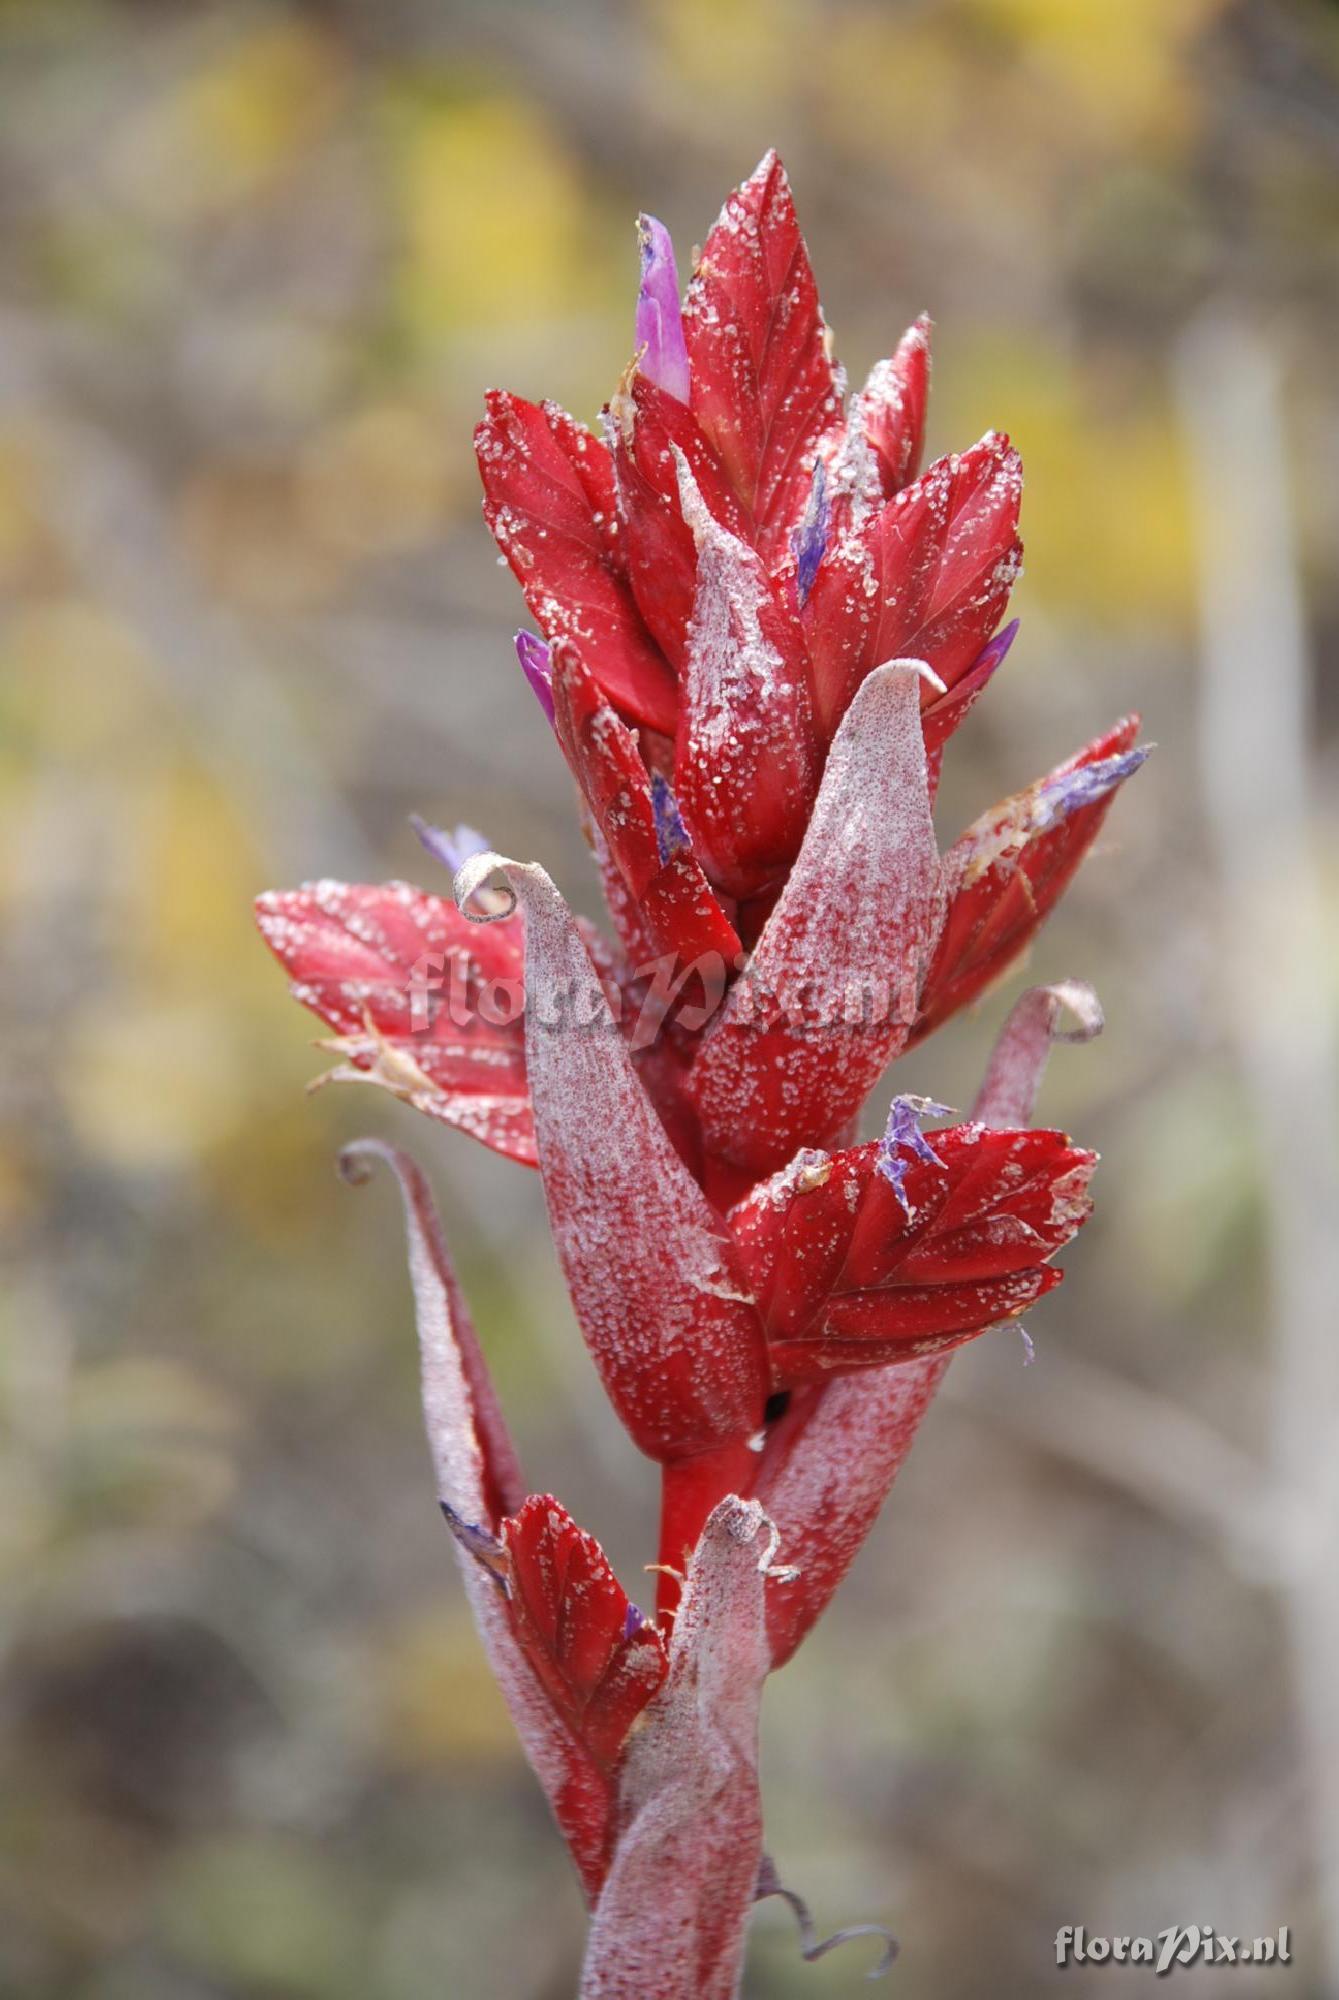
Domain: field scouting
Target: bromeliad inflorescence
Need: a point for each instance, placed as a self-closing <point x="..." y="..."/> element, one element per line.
<point x="761" y="625"/>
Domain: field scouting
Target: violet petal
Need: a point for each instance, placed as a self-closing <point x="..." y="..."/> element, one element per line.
<point x="1084" y="786"/>
<point x="903" y="1134"/>
<point x="452" y="849"/>
<point x="671" y="837"/>
<point x="537" y="667"/>
<point x="808" y="542"/>
<point x="486" y="1549"/>
<point x="994" y="652"/>
<point x="662" y="352"/>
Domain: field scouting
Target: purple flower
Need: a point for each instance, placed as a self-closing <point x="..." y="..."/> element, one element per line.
<point x="994" y="653"/>
<point x="1085" y="786"/>
<point x="452" y="849"/>
<point x="537" y="667"/>
<point x="671" y="836"/>
<point x="903" y="1134"/>
<point x="808" y="542"/>
<point x="662" y="352"/>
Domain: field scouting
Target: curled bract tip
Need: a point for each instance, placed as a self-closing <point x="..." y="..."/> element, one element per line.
<point x="1076" y="997"/>
<point x="812" y="1947"/>
<point x="921" y="667"/>
<point x="743" y="1520"/>
<point x="476" y="875"/>
<point x="1013" y="1076"/>
<point x="355" y="1161"/>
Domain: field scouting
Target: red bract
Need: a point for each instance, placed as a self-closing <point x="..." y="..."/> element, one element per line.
<point x="420" y="1002"/>
<point x="746" y="766"/>
<point x="848" y="1270"/>
<point x="648" y="1262"/>
<point x="599" y="1662"/>
<point x="880" y="449"/>
<point x="669" y="896"/>
<point x="1007" y="872"/>
<point x="765" y="389"/>
<point x="834" y="981"/>
<point x="761" y="630"/>
<point x="550" y="505"/>
<point x="927" y="576"/>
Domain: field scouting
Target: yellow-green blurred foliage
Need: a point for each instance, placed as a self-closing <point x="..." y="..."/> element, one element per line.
<point x="258" y="263"/>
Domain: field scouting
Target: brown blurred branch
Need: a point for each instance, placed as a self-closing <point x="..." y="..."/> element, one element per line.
<point x="1255" y="765"/>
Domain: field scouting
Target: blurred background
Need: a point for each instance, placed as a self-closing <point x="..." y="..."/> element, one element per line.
<point x="257" y="265"/>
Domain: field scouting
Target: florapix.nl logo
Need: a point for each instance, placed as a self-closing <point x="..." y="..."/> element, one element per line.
<point x="1177" y="1946"/>
<point x="641" y="1004"/>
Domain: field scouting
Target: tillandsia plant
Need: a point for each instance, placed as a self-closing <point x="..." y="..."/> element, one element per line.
<point x="761" y="625"/>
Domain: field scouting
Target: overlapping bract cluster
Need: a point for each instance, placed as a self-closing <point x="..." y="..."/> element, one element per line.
<point x="761" y="623"/>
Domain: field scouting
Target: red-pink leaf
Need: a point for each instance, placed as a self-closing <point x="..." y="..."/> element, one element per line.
<point x="927" y="577"/>
<point x="826" y="1469"/>
<point x="477" y="1477"/>
<point x="671" y="1918"/>
<point x="549" y="501"/>
<point x="1010" y="868"/>
<point x="420" y="1003"/>
<point x="589" y="1647"/>
<point x="836" y="974"/>
<point x="765" y="389"/>
<point x="648" y="1263"/>
<point x="747" y="764"/>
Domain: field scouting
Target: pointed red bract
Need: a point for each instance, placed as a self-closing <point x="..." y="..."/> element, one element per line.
<point x="1006" y="874"/>
<point x="670" y="1920"/>
<point x="879" y="451"/>
<point x="834" y="982"/>
<point x="549" y="501"/>
<point x="649" y="427"/>
<point x="477" y="1476"/>
<point x="676" y="909"/>
<point x="846" y="1276"/>
<point x="891" y="407"/>
<point x="827" y="1465"/>
<point x="746" y="767"/>
<point x="598" y="1661"/>
<point x="648" y="1263"/>
<point x="765" y="389"/>
<point x="420" y="1002"/>
<point x="927" y="577"/>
